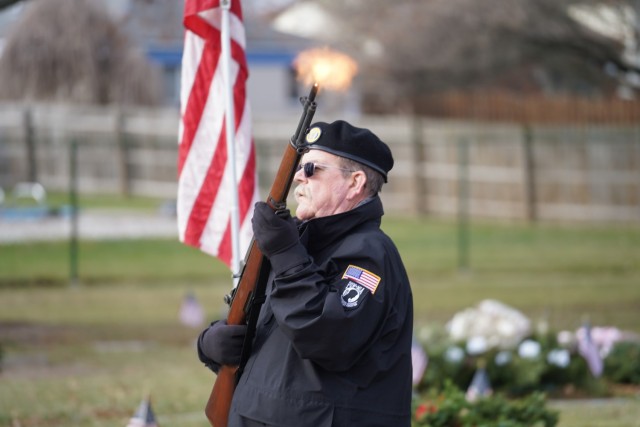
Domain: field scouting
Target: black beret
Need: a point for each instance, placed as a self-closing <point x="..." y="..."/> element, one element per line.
<point x="358" y="144"/>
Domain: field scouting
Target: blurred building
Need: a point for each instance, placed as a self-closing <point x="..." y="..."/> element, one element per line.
<point x="156" y="26"/>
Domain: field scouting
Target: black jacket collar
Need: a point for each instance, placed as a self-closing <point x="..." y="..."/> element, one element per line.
<point x="318" y="233"/>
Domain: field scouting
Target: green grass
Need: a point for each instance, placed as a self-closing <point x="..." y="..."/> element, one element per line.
<point x="599" y="413"/>
<point x="562" y="274"/>
<point x="86" y="355"/>
<point x="144" y="261"/>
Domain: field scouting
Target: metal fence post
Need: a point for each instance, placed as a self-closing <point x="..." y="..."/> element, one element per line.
<point x="531" y="198"/>
<point x="29" y="139"/>
<point x="463" y="205"/>
<point x="418" y="157"/>
<point x="123" y="154"/>
<point x="73" y="201"/>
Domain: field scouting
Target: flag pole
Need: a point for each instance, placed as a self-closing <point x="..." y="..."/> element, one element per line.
<point x="225" y="35"/>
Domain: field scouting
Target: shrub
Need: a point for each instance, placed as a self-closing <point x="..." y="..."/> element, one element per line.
<point x="450" y="408"/>
<point x="622" y="365"/>
<point x="514" y="372"/>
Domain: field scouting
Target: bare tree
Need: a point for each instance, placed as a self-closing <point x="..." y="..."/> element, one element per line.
<point x="70" y="50"/>
<point x="414" y="47"/>
<point x="7" y="3"/>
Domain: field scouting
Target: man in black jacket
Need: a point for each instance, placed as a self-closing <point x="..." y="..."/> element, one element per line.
<point x="333" y="340"/>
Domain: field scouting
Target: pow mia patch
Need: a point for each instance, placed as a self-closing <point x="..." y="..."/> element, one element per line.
<point x="313" y="135"/>
<point x="352" y="295"/>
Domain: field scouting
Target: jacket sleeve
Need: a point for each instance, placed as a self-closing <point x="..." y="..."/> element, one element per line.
<point x="308" y="306"/>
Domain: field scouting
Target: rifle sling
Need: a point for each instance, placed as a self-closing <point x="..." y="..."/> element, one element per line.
<point x="258" y="298"/>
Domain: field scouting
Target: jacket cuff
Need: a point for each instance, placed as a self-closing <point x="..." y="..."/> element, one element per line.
<point x="295" y="256"/>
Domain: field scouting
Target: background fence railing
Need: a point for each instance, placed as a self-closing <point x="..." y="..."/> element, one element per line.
<point x="550" y="172"/>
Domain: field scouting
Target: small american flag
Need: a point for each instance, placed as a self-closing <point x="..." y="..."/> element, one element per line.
<point x="362" y="277"/>
<point x="480" y="386"/>
<point x="144" y="416"/>
<point x="589" y="350"/>
<point x="419" y="362"/>
<point x="191" y="312"/>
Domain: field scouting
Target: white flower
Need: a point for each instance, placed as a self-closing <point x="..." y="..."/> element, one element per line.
<point x="566" y="338"/>
<point x="477" y="345"/>
<point x="459" y="326"/>
<point x="503" y="357"/>
<point x="529" y="349"/>
<point x="559" y="357"/>
<point x="454" y="354"/>
<point x="500" y="325"/>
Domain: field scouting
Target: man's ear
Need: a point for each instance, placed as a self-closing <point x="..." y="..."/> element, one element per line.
<point x="357" y="184"/>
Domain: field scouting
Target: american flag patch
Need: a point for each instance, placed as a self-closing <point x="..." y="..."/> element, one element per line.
<point x="363" y="277"/>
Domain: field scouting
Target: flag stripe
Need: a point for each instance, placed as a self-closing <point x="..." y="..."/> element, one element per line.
<point x="204" y="172"/>
<point x="201" y="209"/>
<point x="247" y="183"/>
<point x="198" y="95"/>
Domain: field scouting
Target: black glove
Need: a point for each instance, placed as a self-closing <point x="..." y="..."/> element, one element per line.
<point x="222" y="343"/>
<point x="274" y="233"/>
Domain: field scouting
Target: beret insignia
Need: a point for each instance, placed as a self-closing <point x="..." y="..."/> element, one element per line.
<point x="314" y="134"/>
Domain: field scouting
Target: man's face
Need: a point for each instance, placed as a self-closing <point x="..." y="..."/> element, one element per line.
<point x="328" y="191"/>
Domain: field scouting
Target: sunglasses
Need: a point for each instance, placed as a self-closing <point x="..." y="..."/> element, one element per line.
<point x="309" y="168"/>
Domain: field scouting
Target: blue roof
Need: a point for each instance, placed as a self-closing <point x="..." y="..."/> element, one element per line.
<point x="270" y="57"/>
<point x="172" y="56"/>
<point x="168" y="56"/>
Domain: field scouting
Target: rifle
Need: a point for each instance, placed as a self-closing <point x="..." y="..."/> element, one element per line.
<point x="247" y="297"/>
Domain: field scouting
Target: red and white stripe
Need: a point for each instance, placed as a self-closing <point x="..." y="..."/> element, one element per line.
<point x="204" y="174"/>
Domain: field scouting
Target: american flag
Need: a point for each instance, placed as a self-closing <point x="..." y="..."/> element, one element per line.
<point x="589" y="351"/>
<point x="205" y="181"/>
<point x="362" y="277"/>
<point x="419" y="362"/>
<point x="480" y="386"/>
<point x="144" y="416"/>
<point x="191" y="312"/>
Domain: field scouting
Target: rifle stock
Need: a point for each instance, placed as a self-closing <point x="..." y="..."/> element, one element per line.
<point x="243" y="296"/>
